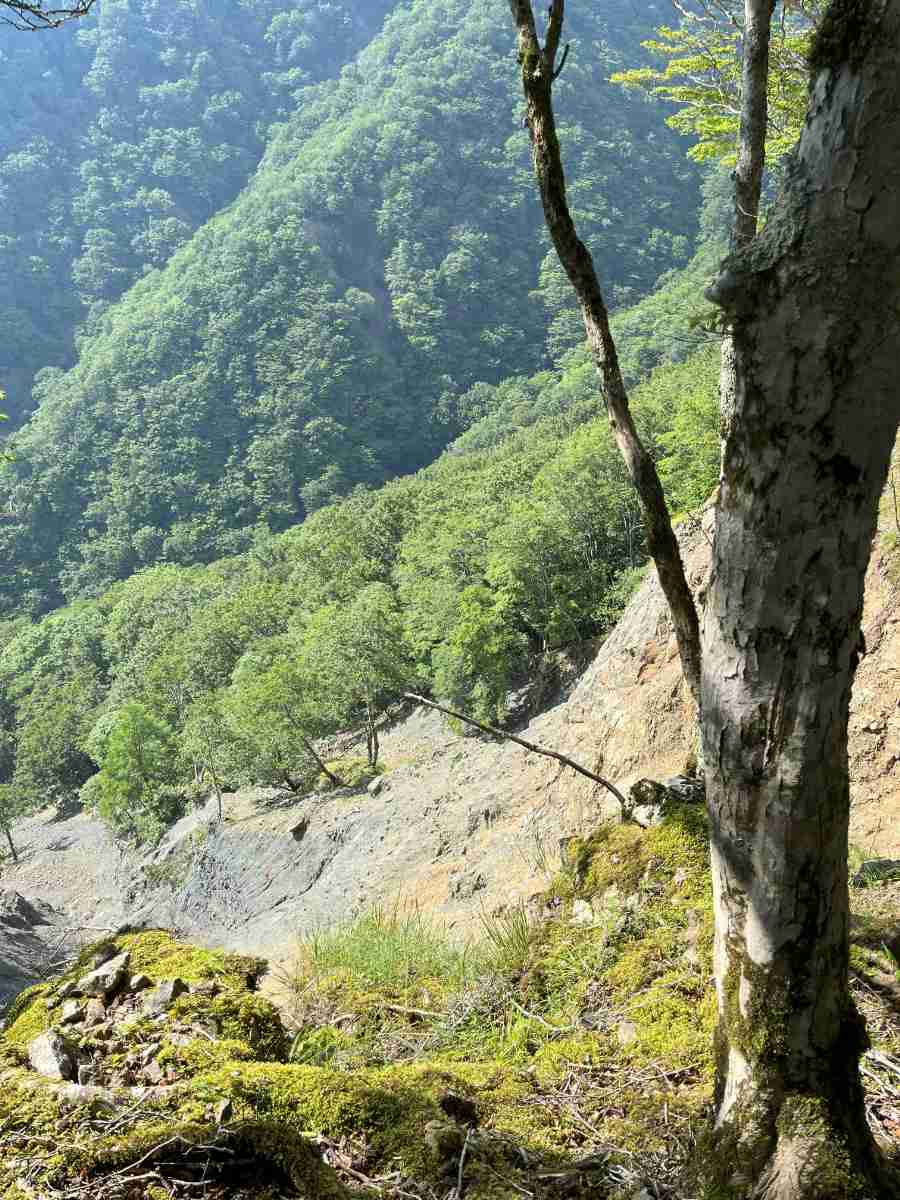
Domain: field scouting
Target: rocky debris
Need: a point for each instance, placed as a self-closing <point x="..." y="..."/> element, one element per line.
<point x="877" y="870"/>
<point x="651" y="801"/>
<point x="52" y="1055"/>
<point x="163" y="996"/>
<point x="105" y="979"/>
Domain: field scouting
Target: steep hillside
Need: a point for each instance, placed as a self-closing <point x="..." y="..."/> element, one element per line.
<point x="457" y="825"/>
<point x="321" y="331"/>
<point x="125" y="133"/>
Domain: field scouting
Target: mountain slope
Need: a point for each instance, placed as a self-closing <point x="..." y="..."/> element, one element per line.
<point x="127" y="131"/>
<point x="320" y="331"/>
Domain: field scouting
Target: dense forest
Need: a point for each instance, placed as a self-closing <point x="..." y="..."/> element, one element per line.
<point x="322" y="329"/>
<point x="270" y="272"/>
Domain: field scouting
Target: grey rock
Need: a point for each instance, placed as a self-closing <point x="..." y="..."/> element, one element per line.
<point x="86" y="1075"/>
<point x="52" y="1055"/>
<point x="206" y="987"/>
<point x="103" y="954"/>
<point x="72" y="1012"/>
<point x="582" y="913"/>
<point x="163" y="995"/>
<point x="95" y="1013"/>
<point x="67" y="990"/>
<point x="139" y="983"/>
<point x="375" y="785"/>
<point x="649" y="801"/>
<point x="153" y="1072"/>
<point x="626" y="1032"/>
<point x="105" y="979"/>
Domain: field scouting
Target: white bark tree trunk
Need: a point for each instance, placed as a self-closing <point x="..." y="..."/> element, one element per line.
<point x="815" y="307"/>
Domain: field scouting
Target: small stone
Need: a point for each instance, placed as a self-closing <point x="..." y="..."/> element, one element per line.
<point x="375" y="785"/>
<point x="626" y="1032"/>
<point x="224" y="1111"/>
<point x="50" y="1054"/>
<point x="680" y="877"/>
<point x="582" y="913"/>
<point x="153" y="1072"/>
<point x="106" y="978"/>
<point x="103" y="954"/>
<point x="95" y="1013"/>
<point x="163" y="995"/>
<point x="68" y="989"/>
<point x="206" y="987"/>
<point x="72" y="1012"/>
<point x="139" y="983"/>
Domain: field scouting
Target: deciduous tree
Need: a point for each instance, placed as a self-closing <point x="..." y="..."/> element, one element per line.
<point x="813" y="305"/>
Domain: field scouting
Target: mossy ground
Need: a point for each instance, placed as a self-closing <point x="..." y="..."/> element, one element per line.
<point x="570" y="1053"/>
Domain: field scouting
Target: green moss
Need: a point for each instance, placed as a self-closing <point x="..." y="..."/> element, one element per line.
<point x="240" y="1017"/>
<point x="158" y="955"/>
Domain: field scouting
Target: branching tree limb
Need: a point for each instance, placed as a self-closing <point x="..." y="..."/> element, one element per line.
<point x="511" y="737"/>
<point x="38" y="16"/>
<point x="538" y="66"/>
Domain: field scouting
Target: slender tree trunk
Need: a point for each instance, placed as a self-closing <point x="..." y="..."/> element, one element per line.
<point x="538" y="66"/>
<point x="320" y="763"/>
<point x="751" y="161"/>
<point x="12" y="848"/>
<point x="814" y="306"/>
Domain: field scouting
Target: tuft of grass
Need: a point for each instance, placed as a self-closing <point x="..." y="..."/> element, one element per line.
<point x="388" y="946"/>
<point x="508" y="939"/>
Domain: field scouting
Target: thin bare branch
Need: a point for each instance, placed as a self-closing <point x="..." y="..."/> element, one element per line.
<point x="29" y="17"/>
<point x="511" y="737"/>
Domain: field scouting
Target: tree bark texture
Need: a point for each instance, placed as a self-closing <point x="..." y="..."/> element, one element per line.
<point x="814" y="302"/>
<point x="538" y="65"/>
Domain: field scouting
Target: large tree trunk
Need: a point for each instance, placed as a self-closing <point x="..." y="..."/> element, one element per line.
<point x="814" y="303"/>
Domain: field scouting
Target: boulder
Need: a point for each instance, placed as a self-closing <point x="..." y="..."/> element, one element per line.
<point x="72" y="1012"/>
<point x="162" y="996"/>
<point x="105" y="979"/>
<point x="139" y="983"/>
<point x="375" y="785"/>
<point x="52" y="1055"/>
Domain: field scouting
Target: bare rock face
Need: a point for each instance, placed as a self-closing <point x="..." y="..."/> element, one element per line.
<point x="51" y="1055"/>
<point x="105" y="979"/>
<point x="27" y="930"/>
